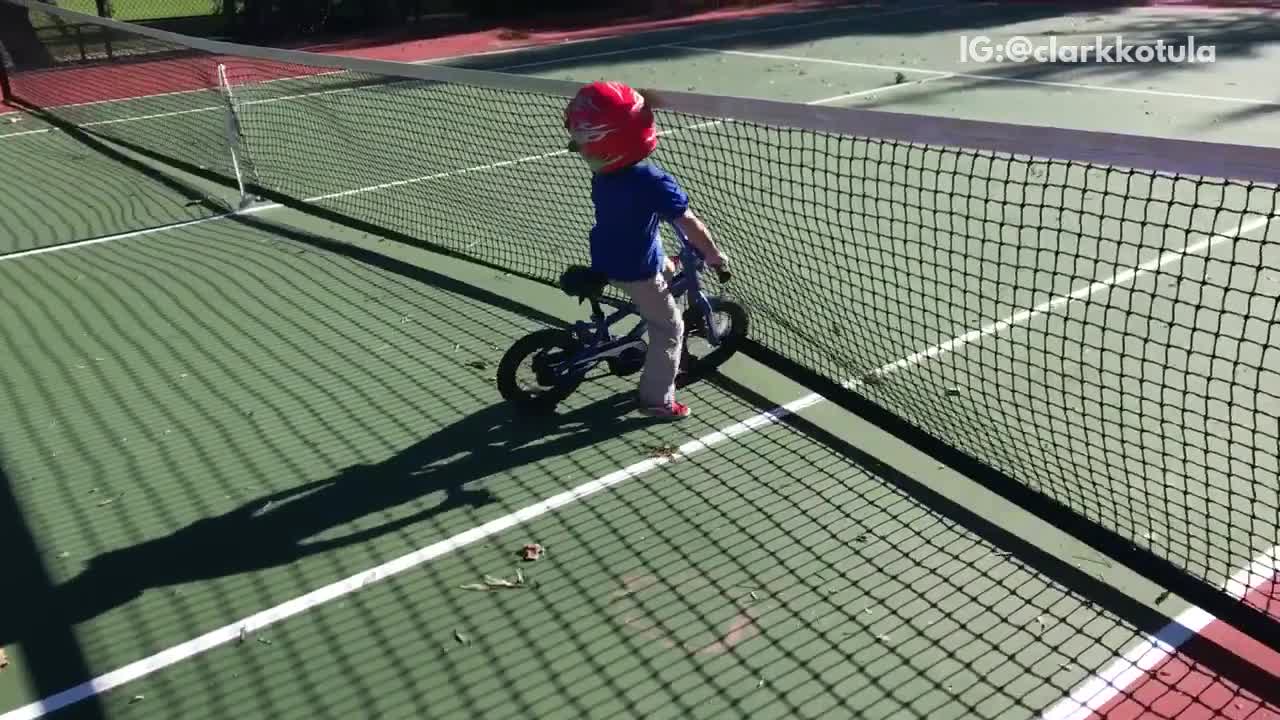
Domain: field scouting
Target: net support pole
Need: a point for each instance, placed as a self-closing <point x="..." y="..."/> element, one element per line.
<point x="233" y="133"/>
<point x="105" y="11"/>
<point x="6" y="91"/>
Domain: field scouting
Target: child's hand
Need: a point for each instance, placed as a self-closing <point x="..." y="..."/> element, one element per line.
<point x="720" y="264"/>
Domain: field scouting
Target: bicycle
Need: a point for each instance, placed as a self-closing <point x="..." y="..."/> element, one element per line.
<point x="561" y="358"/>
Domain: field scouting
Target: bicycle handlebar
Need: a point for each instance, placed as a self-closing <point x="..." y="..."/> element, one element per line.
<point x="722" y="274"/>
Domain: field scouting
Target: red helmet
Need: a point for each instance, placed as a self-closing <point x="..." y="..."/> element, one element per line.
<point x="611" y="125"/>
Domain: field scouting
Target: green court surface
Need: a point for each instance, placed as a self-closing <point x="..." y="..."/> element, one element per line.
<point x="209" y="422"/>
<point x="142" y="10"/>
<point x="59" y="171"/>
<point x="214" y="421"/>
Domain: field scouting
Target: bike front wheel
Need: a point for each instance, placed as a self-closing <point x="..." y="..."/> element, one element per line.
<point x="700" y="357"/>
<point x="527" y="373"/>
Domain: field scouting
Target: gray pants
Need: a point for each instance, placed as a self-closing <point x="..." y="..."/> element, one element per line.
<point x="665" y="326"/>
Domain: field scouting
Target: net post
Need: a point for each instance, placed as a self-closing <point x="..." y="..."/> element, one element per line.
<point x="233" y="133"/>
<point x="6" y="90"/>
<point x="104" y="11"/>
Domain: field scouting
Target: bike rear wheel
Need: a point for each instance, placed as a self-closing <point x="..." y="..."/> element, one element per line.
<point x="700" y="357"/>
<point x="532" y="385"/>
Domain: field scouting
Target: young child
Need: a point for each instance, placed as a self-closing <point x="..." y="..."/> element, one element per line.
<point x="612" y="127"/>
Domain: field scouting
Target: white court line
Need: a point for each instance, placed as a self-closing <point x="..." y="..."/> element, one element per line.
<point x="299" y="96"/>
<point x="8" y="257"/>
<point x="258" y="621"/>
<point x="376" y="188"/>
<point x="744" y="33"/>
<point x="1146" y="268"/>
<point x="1126" y="671"/>
<point x="980" y="76"/>
<point x="116" y="121"/>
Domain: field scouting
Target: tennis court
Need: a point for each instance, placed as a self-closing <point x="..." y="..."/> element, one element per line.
<point x="263" y="468"/>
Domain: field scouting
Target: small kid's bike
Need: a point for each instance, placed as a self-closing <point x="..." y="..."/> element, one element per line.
<point x="544" y="367"/>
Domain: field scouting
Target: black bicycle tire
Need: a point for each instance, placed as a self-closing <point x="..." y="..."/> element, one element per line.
<point x="740" y="322"/>
<point x="511" y="391"/>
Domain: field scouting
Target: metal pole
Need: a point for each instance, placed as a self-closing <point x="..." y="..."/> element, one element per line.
<point x="6" y="92"/>
<point x="233" y="133"/>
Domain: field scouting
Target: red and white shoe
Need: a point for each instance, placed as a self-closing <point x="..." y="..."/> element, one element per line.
<point x="674" y="411"/>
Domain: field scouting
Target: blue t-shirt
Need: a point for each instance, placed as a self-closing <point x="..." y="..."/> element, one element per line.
<point x="629" y="205"/>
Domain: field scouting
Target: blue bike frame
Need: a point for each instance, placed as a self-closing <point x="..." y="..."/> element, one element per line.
<point x="598" y="344"/>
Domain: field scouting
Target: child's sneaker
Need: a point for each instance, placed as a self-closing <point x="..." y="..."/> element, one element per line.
<point x="674" y="411"/>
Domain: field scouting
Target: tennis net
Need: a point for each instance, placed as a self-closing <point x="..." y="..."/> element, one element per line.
<point x="1089" y="314"/>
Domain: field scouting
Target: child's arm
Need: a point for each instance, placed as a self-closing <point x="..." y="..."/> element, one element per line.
<point x="700" y="237"/>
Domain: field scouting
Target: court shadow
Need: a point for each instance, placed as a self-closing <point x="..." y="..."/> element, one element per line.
<point x="51" y="656"/>
<point x="417" y="273"/>
<point x="278" y="528"/>
<point x="1212" y="657"/>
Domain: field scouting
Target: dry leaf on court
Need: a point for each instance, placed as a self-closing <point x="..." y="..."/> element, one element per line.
<point x="665" y="451"/>
<point x="457" y="635"/>
<point x="532" y="551"/>
<point x="495" y="583"/>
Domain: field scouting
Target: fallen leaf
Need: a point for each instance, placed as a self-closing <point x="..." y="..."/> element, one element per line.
<point x="496" y="583"/>
<point x="664" y="451"/>
<point x="532" y="551"/>
<point x="457" y="635"/>
<point x="137" y="699"/>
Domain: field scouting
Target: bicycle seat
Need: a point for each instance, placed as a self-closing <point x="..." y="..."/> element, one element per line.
<point x="581" y="281"/>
